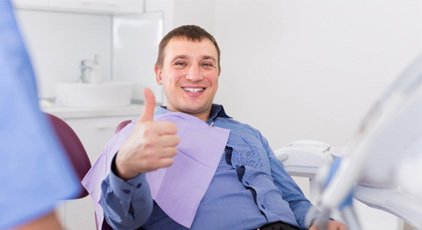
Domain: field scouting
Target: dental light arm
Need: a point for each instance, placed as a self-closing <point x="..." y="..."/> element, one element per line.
<point x="393" y="124"/>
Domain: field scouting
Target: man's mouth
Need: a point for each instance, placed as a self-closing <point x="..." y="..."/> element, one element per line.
<point x="193" y="89"/>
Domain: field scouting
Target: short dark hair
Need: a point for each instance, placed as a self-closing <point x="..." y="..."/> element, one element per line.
<point x="190" y="32"/>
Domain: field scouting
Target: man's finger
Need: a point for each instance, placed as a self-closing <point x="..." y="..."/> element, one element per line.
<point x="165" y="128"/>
<point x="168" y="152"/>
<point x="169" y="140"/>
<point x="148" y="113"/>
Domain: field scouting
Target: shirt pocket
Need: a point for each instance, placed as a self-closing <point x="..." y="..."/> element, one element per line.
<point x="249" y="152"/>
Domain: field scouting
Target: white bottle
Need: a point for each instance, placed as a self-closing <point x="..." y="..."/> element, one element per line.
<point x="95" y="73"/>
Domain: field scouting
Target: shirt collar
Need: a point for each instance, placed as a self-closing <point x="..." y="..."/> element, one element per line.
<point x="216" y="111"/>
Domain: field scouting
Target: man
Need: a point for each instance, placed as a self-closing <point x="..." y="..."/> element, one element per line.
<point x="249" y="189"/>
<point x="34" y="171"/>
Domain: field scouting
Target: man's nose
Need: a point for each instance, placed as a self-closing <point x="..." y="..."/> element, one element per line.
<point x="194" y="74"/>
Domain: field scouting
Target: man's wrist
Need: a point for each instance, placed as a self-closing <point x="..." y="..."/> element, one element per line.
<point x="118" y="172"/>
<point x="113" y="165"/>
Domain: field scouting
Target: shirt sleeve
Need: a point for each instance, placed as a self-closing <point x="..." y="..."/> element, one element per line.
<point x="126" y="204"/>
<point x="298" y="203"/>
<point x="34" y="171"/>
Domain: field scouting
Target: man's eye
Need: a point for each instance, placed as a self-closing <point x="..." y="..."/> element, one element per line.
<point x="207" y="64"/>
<point x="180" y="63"/>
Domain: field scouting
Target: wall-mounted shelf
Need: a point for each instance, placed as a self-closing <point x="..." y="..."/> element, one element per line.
<point x="106" y="7"/>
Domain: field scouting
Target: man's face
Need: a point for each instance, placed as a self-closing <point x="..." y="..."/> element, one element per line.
<point x="189" y="76"/>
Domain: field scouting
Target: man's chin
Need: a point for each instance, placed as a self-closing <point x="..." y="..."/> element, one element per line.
<point x="195" y="110"/>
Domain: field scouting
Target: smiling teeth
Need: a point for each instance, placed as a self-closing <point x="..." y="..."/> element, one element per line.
<point x="193" y="90"/>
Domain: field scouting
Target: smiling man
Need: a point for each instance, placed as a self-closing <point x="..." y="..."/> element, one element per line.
<point x="249" y="188"/>
<point x="188" y="69"/>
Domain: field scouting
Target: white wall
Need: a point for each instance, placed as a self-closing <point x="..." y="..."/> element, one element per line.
<point x="180" y="12"/>
<point x="304" y="69"/>
<point x="311" y="69"/>
<point x="57" y="43"/>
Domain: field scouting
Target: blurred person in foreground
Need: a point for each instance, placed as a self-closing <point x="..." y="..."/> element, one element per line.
<point x="34" y="170"/>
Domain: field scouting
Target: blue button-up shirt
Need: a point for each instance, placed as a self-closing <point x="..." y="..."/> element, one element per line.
<point x="249" y="189"/>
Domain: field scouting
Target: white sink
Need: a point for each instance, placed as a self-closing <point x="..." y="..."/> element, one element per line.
<point x="110" y="94"/>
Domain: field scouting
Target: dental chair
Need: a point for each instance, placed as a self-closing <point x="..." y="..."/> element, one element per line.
<point x="74" y="149"/>
<point x="306" y="158"/>
<point x="382" y="165"/>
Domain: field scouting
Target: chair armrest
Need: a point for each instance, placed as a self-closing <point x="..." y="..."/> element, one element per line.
<point x="304" y="158"/>
<point x="394" y="201"/>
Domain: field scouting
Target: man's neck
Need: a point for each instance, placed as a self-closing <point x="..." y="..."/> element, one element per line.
<point x="202" y="115"/>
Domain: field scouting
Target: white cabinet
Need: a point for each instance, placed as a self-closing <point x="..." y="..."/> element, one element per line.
<point x="94" y="132"/>
<point x="30" y="3"/>
<point x="94" y="128"/>
<point x="99" y="6"/>
<point x="84" y="6"/>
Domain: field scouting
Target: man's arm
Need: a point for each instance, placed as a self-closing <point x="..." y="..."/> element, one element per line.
<point x="291" y="192"/>
<point x="126" y="204"/>
<point x="299" y="204"/>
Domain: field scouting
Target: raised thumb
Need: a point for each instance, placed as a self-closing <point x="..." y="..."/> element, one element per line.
<point x="149" y="102"/>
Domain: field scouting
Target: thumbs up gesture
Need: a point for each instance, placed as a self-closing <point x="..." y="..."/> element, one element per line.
<point x="150" y="146"/>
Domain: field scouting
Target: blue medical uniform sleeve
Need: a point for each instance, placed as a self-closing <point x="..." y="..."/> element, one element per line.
<point x="34" y="171"/>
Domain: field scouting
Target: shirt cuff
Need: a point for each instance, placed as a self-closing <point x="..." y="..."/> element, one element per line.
<point x="127" y="188"/>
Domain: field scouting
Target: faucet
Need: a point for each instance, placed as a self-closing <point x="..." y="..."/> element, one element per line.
<point x="85" y="70"/>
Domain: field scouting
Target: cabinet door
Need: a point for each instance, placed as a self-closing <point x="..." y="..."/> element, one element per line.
<point x="95" y="132"/>
<point x="77" y="214"/>
<point x="135" y="37"/>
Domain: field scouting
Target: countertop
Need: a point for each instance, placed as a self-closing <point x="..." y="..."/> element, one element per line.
<point x="75" y="112"/>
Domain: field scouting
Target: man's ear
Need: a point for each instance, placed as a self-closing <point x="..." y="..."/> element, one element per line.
<point x="158" y="77"/>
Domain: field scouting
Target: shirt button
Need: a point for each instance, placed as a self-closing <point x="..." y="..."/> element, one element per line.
<point x="126" y="191"/>
<point x="247" y="182"/>
<point x="262" y="206"/>
<point x="139" y="185"/>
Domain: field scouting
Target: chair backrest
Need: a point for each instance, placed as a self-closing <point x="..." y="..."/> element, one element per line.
<point x="121" y="125"/>
<point x="73" y="148"/>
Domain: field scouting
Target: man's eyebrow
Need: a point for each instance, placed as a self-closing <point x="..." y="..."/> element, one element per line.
<point x="179" y="57"/>
<point x="207" y="57"/>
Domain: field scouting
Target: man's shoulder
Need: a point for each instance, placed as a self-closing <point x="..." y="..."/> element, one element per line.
<point x="238" y="126"/>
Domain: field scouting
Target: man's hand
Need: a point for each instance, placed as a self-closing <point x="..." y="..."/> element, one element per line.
<point x="150" y="146"/>
<point x="331" y="225"/>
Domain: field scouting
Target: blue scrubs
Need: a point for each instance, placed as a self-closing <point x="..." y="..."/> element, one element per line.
<point x="34" y="171"/>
